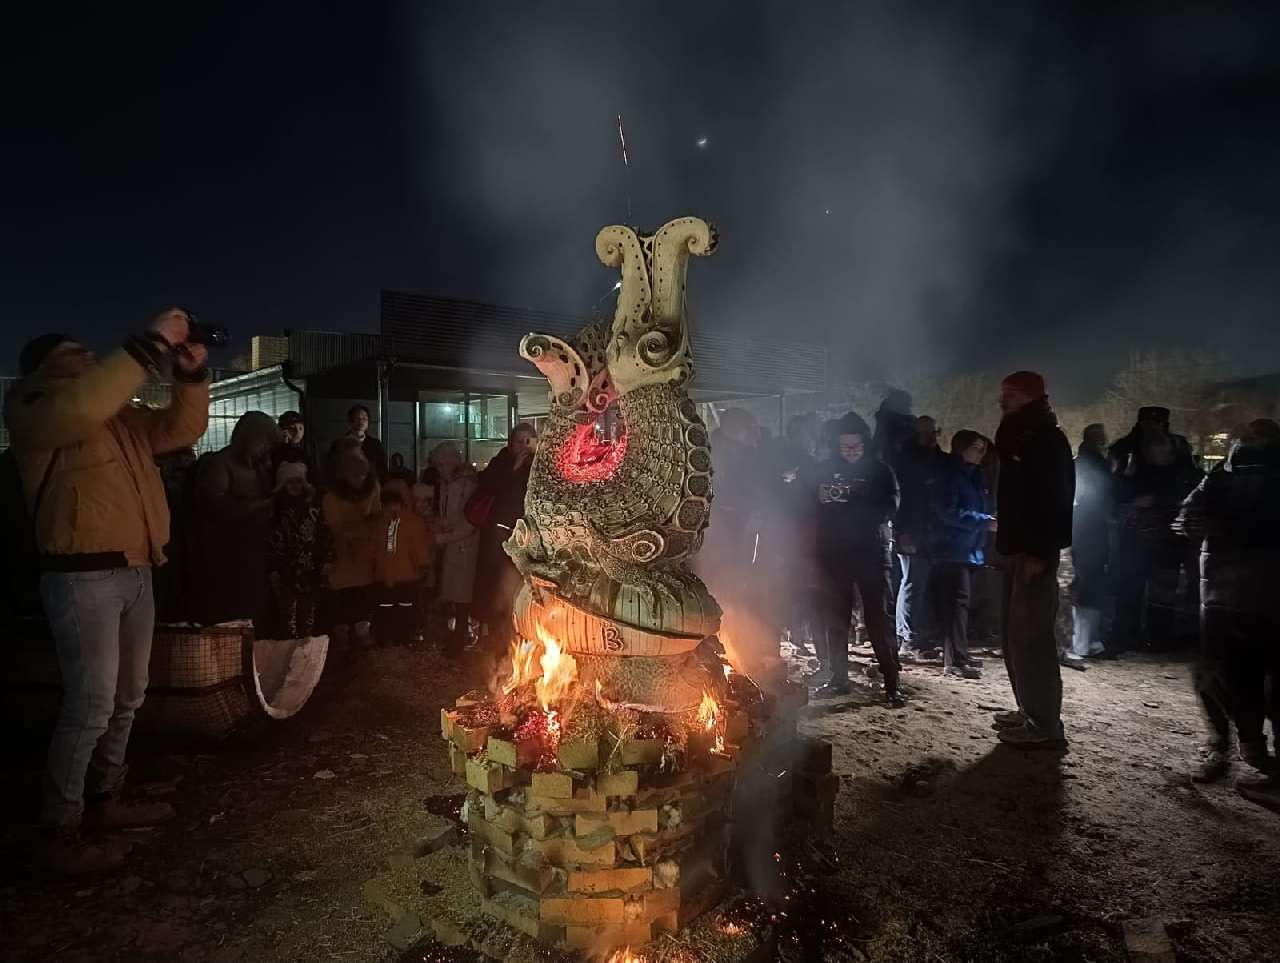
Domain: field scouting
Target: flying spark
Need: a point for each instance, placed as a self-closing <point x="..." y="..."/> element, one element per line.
<point x="702" y="142"/>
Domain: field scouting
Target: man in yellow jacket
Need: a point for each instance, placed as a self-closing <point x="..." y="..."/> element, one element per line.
<point x="87" y="460"/>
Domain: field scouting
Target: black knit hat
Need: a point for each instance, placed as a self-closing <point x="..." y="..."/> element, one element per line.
<point x="290" y="418"/>
<point x="37" y="349"/>
<point x="852" y="424"/>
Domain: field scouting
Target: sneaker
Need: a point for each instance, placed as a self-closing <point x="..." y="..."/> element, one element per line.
<point x="69" y="854"/>
<point x="908" y="654"/>
<point x="112" y="813"/>
<point x="1255" y="754"/>
<point x="963" y="671"/>
<point x="895" y="698"/>
<point x="1216" y="765"/>
<point x="832" y="689"/>
<point x="1010" y="720"/>
<point x="1029" y="737"/>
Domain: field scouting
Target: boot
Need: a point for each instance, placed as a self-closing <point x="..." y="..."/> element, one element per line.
<point x="67" y="853"/>
<point x="1254" y="753"/>
<point x="1216" y="765"/>
<point x="114" y="813"/>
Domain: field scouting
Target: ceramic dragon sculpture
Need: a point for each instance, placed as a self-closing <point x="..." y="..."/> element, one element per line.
<point x="611" y="520"/>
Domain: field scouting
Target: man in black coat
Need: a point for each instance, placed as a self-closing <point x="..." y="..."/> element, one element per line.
<point x="1235" y="514"/>
<point x="1033" y="505"/>
<point x="919" y="462"/>
<point x="855" y="495"/>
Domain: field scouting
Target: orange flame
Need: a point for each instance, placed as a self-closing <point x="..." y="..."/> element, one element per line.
<point x="625" y="956"/>
<point x="559" y="671"/>
<point x="523" y="661"/>
<point x="708" y="711"/>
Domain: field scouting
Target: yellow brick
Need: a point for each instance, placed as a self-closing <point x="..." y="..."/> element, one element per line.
<point x="624" y="824"/>
<point x="489" y="777"/>
<point x="534" y="879"/>
<point x="579" y="755"/>
<point x="457" y="760"/>
<point x="565" y="853"/>
<point x="468" y="740"/>
<point x="591" y="803"/>
<point x="583" y="911"/>
<point x="513" y="821"/>
<point x="624" y="880"/>
<point x="521" y="915"/>
<point x="488" y="833"/>
<point x="557" y="785"/>
<point x="625" y="783"/>
<point x="660" y="902"/>
<point x="642" y="752"/>
<point x="502" y="751"/>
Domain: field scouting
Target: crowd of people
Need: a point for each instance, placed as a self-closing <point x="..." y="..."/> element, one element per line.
<point x="831" y="529"/>
<point x="837" y="528"/>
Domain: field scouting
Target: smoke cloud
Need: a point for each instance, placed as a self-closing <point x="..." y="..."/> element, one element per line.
<point x="919" y="186"/>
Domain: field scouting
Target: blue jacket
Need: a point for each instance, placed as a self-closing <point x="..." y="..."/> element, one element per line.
<point x="960" y="507"/>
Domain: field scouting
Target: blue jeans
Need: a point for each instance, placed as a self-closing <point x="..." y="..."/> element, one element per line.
<point x="914" y="626"/>
<point x="102" y="624"/>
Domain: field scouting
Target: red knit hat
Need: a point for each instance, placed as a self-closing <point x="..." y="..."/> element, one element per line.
<point x="1029" y="383"/>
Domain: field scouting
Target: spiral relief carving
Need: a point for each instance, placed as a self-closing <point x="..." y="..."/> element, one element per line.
<point x="611" y="521"/>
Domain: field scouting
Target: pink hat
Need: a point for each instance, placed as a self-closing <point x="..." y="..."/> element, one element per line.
<point x="291" y="471"/>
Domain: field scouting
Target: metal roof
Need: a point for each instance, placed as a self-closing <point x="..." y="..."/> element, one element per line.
<point x="470" y="334"/>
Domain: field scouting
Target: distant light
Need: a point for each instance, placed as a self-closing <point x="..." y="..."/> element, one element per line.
<point x="702" y="142"/>
<point x="827" y="211"/>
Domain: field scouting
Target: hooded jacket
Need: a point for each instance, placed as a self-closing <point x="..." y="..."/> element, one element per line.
<point x="86" y="457"/>
<point x="1235" y="514"/>
<point x="1037" y="484"/>
<point x="959" y="510"/>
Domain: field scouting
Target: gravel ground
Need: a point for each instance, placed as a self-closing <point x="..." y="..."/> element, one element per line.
<point x="292" y="844"/>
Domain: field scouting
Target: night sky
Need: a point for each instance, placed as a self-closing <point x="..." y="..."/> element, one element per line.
<point x="923" y="186"/>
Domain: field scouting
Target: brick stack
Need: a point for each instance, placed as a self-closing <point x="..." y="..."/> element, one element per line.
<point x="607" y="849"/>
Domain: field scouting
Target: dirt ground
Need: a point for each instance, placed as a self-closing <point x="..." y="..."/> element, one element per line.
<point x="297" y="844"/>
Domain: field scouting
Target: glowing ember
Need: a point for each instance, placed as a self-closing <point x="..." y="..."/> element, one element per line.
<point x="586" y="458"/>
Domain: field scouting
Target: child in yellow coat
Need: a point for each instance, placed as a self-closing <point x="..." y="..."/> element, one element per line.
<point x="404" y="554"/>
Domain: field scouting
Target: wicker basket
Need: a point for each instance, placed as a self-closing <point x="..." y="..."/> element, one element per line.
<point x="205" y="682"/>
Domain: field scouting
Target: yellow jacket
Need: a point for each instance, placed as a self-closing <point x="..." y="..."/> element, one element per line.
<point x="403" y="548"/>
<point x="87" y="460"/>
<point x="353" y="536"/>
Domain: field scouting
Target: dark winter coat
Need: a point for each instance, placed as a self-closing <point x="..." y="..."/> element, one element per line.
<point x="1128" y="461"/>
<point x="917" y="469"/>
<point x="960" y="508"/>
<point x="373" y="451"/>
<point x="230" y="525"/>
<point x="894" y="430"/>
<point x="1235" y="511"/>
<point x="1037" y="484"/>
<point x="858" y="525"/>
<point x="495" y="572"/>
<point x="298" y="547"/>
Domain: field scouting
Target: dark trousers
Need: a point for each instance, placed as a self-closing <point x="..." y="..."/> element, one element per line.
<point x="395" y="620"/>
<point x="953" y="586"/>
<point x="914" y="625"/>
<point x="1241" y="651"/>
<point x="293" y="615"/>
<point x="868" y="578"/>
<point x="1030" y="643"/>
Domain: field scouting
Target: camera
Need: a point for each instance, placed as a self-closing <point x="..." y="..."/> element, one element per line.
<point x="209" y="335"/>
